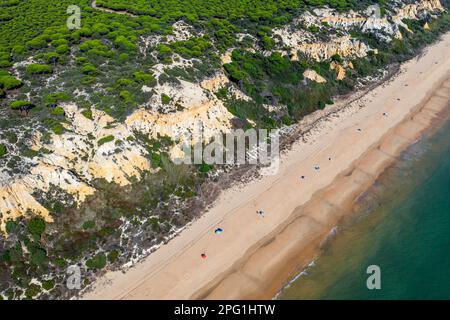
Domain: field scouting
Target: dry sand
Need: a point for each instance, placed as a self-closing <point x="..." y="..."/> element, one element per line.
<point x="255" y="256"/>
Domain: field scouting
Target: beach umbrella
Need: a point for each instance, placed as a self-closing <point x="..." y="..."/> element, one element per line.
<point x="218" y="231"/>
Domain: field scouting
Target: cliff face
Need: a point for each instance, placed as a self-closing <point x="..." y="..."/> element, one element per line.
<point x="202" y="109"/>
<point x="294" y="39"/>
<point x="78" y="156"/>
<point x="190" y="105"/>
<point x="369" y="21"/>
<point x="81" y="151"/>
<point x="343" y="46"/>
<point x="340" y="71"/>
<point x="419" y="10"/>
<point x="314" y="76"/>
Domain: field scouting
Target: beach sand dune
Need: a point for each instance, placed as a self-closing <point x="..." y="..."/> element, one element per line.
<point x="256" y="255"/>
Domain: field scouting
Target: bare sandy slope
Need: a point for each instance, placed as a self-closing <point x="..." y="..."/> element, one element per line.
<point x="255" y="255"/>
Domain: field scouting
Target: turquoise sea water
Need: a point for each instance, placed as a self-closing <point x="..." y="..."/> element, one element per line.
<point x="401" y="225"/>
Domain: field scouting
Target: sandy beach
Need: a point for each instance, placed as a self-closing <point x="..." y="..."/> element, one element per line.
<point x="255" y="255"/>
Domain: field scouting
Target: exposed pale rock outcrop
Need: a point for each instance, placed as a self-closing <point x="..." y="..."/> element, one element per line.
<point x="340" y="71"/>
<point x="16" y="193"/>
<point x="343" y="46"/>
<point x="215" y="83"/>
<point x="79" y="149"/>
<point x="293" y="35"/>
<point x="367" y="23"/>
<point x="200" y="110"/>
<point x="180" y="31"/>
<point x="296" y="38"/>
<point x="314" y="76"/>
<point x="73" y="159"/>
<point x="372" y="21"/>
<point x="226" y="57"/>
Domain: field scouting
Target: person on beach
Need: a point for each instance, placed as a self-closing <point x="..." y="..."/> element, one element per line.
<point x="203" y="255"/>
<point x="260" y="212"/>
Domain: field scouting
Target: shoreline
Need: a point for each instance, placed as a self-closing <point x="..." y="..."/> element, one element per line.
<point x="249" y="259"/>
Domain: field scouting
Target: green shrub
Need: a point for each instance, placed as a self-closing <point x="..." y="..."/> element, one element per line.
<point x="126" y="96"/>
<point x="123" y="57"/>
<point x="87" y="114"/>
<point x="165" y="99"/>
<point x="58" y="111"/>
<point x="93" y="44"/>
<point x="59" y="42"/>
<point x="97" y="262"/>
<point x="81" y="60"/>
<point x="37" y="43"/>
<point x="29" y="153"/>
<point x="19" y="49"/>
<point x="156" y="160"/>
<point x="144" y="78"/>
<point x="36" y="226"/>
<point x="56" y="97"/>
<point x="57" y="128"/>
<point x="32" y="291"/>
<point x="60" y="262"/>
<point x="113" y="255"/>
<point x="88" y="80"/>
<point x="48" y="284"/>
<point x="11" y="226"/>
<point x="204" y="168"/>
<point x="11" y="137"/>
<point x="62" y="49"/>
<point x="125" y="44"/>
<point x="38" y="255"/>
<point x="85" y="32"/>
<point x="104" y="140"/>
<point x="52" y="57"/>
<point x="194" y="47"/>
<point x="21" y="105"/>
<point x="3" y="150"/>
<point x="9" y="82"/>
<point x="100" y="28"/>
<point x="123" y="82"/>
<point x="89" y="69"/>
<point x="5" y="64"/>
<point x="267" y="42"/>
<point x="88" y="225"/>
<point x="35" y="68"/>
<point x="163" y="51"/>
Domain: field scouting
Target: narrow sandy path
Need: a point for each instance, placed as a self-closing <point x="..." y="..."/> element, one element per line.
<point x="95" y="6"/>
